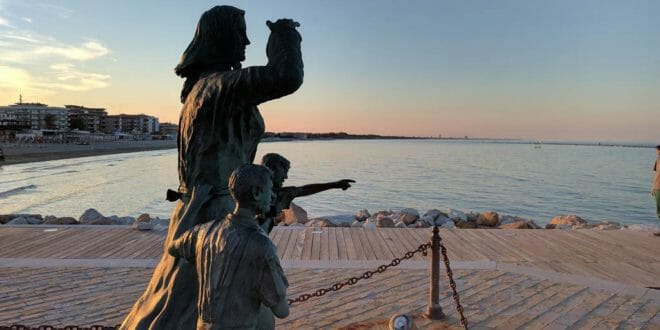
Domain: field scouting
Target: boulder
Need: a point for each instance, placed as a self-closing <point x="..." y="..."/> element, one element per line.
<point x="160" y="222"/>
<point x="385" y="222"/>
<point x="341" y="220"/>
<point x="442" y="219"/>
<point x="608" y="225"/>
<point x="49" y="218"/>
<point x="295" y="214"/>
<point x="5" y="218"/>
<point x="464" y="224"/>
<point x="60" y="221"/>
<point x="643" y="227"/>
<point x="382" y="212"/>
<point x="91" y="217"/>
<point x="421" y="224"/>
<point x="103" y="221"/>
<point x="362" y="215"/>
<point x="144" y="217"/>
<point x="455" y="214"/>
<point x="506" y="219"/>
<point x="320" y="222"/>
<point x="429" y="220"/>
<point x="488" y="218"/>
<point x="142" y="225"/>
<point x="570" y="220"/>
<point x="127" y="221"/>
<point x="409" y="215"/>
<point x="356" y="224"/>
<point x="400" y="224"/>
<point x="25" y="220"/>
<point x="449" y="225"/>
<point x="368" y="225"/>
<point x="472" y="216"/>
<point x="433" y="214"/>
<point x="517" y="225"/>
<point x="297" y="225"/>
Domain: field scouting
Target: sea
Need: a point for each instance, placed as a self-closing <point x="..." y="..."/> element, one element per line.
<point x="535" y="181"/>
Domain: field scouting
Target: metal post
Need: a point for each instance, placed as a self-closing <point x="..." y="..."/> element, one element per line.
<point x="434" y="311"/>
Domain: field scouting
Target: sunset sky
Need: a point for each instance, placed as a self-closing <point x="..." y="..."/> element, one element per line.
<point x="546" y="70"/>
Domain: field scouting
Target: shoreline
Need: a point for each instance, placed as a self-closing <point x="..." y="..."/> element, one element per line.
<point x="29" y="153"/>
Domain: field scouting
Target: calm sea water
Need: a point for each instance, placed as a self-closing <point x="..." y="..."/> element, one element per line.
<point x="598" y="183"/>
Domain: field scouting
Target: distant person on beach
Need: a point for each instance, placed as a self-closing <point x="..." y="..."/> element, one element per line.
<point x="236" y="263"/>
<point x="219" y="129"/>
<point x="285" y="195"/>
<point x="656" y="182"/>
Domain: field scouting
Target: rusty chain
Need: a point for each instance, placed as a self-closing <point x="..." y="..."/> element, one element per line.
<point x="452" y="285"/>
<point x="368" y="274"/>
<point x="48" y="327"/>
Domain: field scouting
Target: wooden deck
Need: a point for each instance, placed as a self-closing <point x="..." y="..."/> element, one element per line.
<point x="85" y="275"/>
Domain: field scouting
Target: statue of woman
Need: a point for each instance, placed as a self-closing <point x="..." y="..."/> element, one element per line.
<point x="219" y="129"/>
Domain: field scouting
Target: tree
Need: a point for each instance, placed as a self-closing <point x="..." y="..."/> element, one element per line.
<point x="49" y="121"/>
<point x="77" y="123"/>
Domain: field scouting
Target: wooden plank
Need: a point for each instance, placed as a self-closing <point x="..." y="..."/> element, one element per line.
<point x="325" y="244"/>
<point x="353" y="247"/>
<point x="333" y="253"/>
<point x="300" y="244"/>
<point x="284" y="237"/>
<point x="341" y="244"/>
<point x="307" y="250"/>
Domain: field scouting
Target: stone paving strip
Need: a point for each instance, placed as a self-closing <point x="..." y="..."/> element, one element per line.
<point x="89" y="275"/>
<point x="491" y="298"/>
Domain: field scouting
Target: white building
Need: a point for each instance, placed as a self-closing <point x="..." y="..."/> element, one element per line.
<point x="37" y="115"/>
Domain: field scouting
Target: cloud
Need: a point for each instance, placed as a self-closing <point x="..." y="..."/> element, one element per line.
<point x="27" y="19"/>
<point x="87" y="51"/>
<point x="71" y="79"/>
<point x="4" y="22"/>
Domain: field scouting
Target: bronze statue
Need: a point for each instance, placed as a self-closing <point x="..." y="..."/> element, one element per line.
<point x="219" y="129"/>
<point x="236" y="262"/>
<point x="285" y="195"/>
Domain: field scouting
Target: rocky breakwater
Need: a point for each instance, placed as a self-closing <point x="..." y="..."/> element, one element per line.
<point x="446" y="218"/>
<point x="89" y="217"/>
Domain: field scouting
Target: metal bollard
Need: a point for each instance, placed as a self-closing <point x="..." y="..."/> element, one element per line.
<point x="434" y="311"/>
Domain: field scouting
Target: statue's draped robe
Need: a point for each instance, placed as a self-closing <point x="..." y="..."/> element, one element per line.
<point x="219" y="129"/>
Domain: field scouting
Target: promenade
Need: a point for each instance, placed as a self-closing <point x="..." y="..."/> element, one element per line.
<point x="91" y="275"/>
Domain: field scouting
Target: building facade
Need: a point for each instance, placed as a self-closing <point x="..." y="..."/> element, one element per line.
<point x="38" y="116"/>
<point x="134" y="124"/>
<point x="87" y="119"/>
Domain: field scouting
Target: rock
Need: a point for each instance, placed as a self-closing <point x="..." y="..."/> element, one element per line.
<point x="429" y="220"/>
<point x="433" y="214"/>
<point x="421" y="224"/>
<point x="144" y="217"/>
<point x="320" y="222"/>
<point x="442" y="219"/>
<point x="533" y="224"/>
<point x="517" y="225"/>
<point x="104" y="221"/>
<point x="362" y="215"/>
<point x="384" y="222"/>
<point x="49" y="218"/>
<point x="23" y="220"/>
<point x="506" y="219"/>
<point x="472" y="216"/>
<point x="295" y="214"/>
<point x="409" y="215"/>
<point x="449" y="225"/>
<point x="369" y="225"/>
<point x="91" y="217"/>
<point x="382" y="212"/>
<point x="400" y="224"/>
<point x="412" y="225"/>
<point x="488" y="218"/>
<point x="356" y="224"/>
<point x="571" y="220"/>
<point x="5" y="218"/>
<point x="608" y="225"/>
<point x="142" y="225"/>
<point x="127" y="221"/>
<point x="60" y="221"/>
<point x="464" y="224"/>
<point x="160" y="222"/>
<point x="455" y="214"/>
<point x="341" y="220"/>
<point x="297" y="225"/>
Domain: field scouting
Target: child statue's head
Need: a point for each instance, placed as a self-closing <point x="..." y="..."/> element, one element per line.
<point x="280" y="167"/>
<point x="251" y="187"/>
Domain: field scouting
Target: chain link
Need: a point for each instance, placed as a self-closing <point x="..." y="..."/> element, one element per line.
<point x="49" y="327"/>
<point x="452" y="285"/>
<point x="368" y="274"/>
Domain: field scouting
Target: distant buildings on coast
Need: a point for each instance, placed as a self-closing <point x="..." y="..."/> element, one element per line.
<point x="74" y="122"/>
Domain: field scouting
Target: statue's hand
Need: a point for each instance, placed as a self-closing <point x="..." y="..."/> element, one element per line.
<point x="282" y="22"/>
<point x="344" y="184"/>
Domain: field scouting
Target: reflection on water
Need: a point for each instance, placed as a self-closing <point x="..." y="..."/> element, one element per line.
<point x="599" y="183"/>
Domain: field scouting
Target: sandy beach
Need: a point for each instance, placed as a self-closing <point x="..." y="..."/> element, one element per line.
<point x="24" y="153"/>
